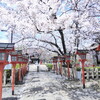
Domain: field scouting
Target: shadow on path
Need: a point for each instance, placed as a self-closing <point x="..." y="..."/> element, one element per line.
<point x="10" y="98"/>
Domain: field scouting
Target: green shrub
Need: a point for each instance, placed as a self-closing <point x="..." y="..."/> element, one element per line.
<point x="98" y="68"/>
<point x="49" y="65"/>
<point x="78" y="69"/>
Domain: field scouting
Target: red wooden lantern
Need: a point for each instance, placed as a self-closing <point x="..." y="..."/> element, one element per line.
<point x="14" y="61"/>
<point x="82" y="54"/>
<point x="5" y="48"/>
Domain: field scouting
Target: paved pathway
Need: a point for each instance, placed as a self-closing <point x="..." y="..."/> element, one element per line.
<point x="44" y="85"/>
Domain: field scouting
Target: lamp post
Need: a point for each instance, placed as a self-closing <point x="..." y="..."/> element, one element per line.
<point x="82" y="54"/>
<point x="14" y="61"/>
<point x="3" y="62"/>
<point x="20" y="71"/>
<point x="5" y="48"/>
<point x="12" y="36"/>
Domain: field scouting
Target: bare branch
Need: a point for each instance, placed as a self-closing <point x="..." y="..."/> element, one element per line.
<point x="51" y="43"/>
<point x="50" y="50"/>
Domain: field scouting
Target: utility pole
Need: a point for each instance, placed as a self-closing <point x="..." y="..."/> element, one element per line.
<point x="12" y="36"/>
<point x="12" y="31"/>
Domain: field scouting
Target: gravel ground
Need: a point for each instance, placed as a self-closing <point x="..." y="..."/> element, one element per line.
<point x="44" y="85"/>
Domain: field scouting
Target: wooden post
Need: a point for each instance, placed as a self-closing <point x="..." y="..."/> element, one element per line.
<point x="68" y="63"/>
<point x="83" y="76"/>
<point x="68" y="68"/>
<point x="22" y="71"/>
<point x="56" y="68"/>
<point x="13" y="78"/>
<point x="19" y="74"/>
<point x="53" y="66"/>
<point x="1" y="76"/>
<point x="61" y="68"/>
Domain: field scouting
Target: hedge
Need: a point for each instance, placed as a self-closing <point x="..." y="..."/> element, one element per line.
<point x="49" y="65"/>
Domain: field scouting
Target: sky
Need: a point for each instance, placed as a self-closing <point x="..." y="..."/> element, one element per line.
<point x="3" y="37"/>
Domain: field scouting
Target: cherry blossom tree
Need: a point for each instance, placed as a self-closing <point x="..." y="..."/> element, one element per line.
<point x="62" y="24"/>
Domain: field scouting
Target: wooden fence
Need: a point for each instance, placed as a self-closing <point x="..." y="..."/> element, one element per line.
<point x="92" y="73"/>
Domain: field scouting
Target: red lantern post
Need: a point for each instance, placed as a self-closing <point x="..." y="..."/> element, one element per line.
<point x="14" y="61"/>
<point x="82" y="54"/>
<point x="20" y="71"/>
<point x="5" y="48"/>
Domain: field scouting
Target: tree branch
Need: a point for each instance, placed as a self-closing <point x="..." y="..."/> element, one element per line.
<point x="51" y="43"/>
<point x="50" y="50"/>
<point x="62" y="39"/>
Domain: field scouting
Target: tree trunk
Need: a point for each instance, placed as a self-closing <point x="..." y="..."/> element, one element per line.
<point x="62" y="40"/>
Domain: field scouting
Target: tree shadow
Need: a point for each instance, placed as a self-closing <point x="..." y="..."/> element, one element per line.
<point x="10" y="98"/>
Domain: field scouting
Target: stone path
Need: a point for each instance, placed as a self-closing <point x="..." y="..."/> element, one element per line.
<point x="44" y="85"/>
